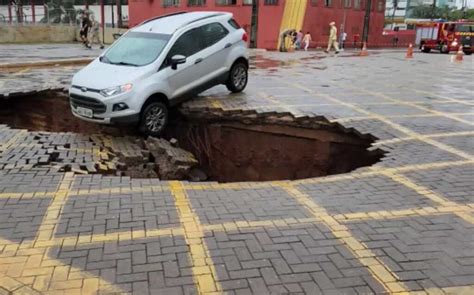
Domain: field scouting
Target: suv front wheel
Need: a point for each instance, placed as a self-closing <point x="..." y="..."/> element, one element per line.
<point x="154" y="119"/>
<point x="238" y="77"/>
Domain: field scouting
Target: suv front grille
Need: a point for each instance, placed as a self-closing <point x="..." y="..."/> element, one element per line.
<point x="88" y="102"/>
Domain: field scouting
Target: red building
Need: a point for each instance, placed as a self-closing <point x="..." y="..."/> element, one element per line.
<point x="265" y="19"/>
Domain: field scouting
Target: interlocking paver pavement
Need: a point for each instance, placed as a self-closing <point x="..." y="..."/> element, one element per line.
<point x="402" y="225"/>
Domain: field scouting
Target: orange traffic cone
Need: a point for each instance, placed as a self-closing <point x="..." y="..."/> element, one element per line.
<point x="409" y="51"/>
<point x="364" y="51"/>
<point x="459" y="55"/>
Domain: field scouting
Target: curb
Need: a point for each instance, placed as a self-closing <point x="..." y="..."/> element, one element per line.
<point x="47" y="63"/>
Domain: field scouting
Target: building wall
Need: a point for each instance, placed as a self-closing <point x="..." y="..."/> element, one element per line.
<point x="316" y="18"/>
<point x="349" y="19"/>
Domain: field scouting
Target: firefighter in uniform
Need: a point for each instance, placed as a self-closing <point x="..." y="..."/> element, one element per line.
<point x="332" y="42"/>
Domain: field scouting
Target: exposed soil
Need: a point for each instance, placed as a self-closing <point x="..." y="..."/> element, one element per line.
<point x="230" y="146"/>
<point x="258" y="151"/>
<point x="50" y="111"/>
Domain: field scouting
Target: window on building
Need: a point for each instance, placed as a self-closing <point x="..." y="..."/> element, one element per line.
<point x="381" y="6"/>
<point x="271" y="2"/>
<point x="356" y="4"/>
<point x="226" y="2"/>
<point x="196" y="2"/>
<point x="347" y="3"/>
<point x="328" y="3"/>
<point x="314" y="2"/>
<point x="247" y="2"/>
<point x="168" y="3"/>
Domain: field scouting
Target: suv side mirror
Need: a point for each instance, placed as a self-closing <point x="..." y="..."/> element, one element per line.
<point x="176" y="60"/>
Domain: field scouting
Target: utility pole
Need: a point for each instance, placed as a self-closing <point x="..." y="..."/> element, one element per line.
<point x="254" y="24"/>
<point x="433" y="10"/>
<point x="395" y="6"/>
<point x="365" y="32"/>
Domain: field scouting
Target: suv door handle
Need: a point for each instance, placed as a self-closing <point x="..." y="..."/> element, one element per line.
<point x="198" y="60"/>
<point x="228" y="45"/>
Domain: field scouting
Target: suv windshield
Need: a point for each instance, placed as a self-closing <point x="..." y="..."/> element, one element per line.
<point x="136" y="49"/>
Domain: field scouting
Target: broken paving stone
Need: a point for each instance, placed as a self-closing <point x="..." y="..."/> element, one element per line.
<point x="171" y="162"/>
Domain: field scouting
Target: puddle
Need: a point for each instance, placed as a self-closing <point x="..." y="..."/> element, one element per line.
<point x="228" y="147"/>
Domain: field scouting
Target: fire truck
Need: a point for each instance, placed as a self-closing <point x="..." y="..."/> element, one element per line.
<point x="445" y="36"/>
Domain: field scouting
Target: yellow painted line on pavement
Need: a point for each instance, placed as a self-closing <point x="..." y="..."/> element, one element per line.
<point x="394" y="125"/>
<point x="22" y="71"/>
<point x="217" y="104"/>
<point x="14" y="139"/>
<point x="275" y="101"/>
<point x="366" y="257"/>
<point x="457" y="209"/>
<point x="408" y="103"/>
<point x="444" y="97"/>
<point x="359" y="118"/>
<point x="435" y="135"/>
<point x="394" y="214"/>
<point x="203" y="269"/>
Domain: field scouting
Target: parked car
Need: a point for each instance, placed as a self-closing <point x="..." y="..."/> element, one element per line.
<point x="157" y="65"/>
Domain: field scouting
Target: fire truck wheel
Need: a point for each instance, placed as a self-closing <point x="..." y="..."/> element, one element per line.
<point x="424" y="49"/>
<point x="466" y="52"/>
<point x="444" y="49"/>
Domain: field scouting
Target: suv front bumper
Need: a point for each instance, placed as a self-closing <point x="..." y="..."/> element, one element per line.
<point x="101" y="108"/>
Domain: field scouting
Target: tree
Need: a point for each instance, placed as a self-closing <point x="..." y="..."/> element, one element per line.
<point x="445" y="12"/>
<point x="60" y="11"/>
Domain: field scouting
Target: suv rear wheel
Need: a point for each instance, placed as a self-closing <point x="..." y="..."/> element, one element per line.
<point x="238" y="77"/>
<point x="154" y="119"/>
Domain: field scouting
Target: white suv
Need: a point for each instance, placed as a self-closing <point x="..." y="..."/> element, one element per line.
<point x="158" y="64"/>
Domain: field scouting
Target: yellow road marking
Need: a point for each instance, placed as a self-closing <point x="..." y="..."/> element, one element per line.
<point x="203" y="269"/>
<point x="399" y="127"/>
<point x="217" y="104"/>
<point x="359" y="118"/>
<point x="442" y="114"/>
<point x="46" y="232"/>
<point x="444" y="97"/>
<point x="467" y="215"/>
<point x="394" y="214"/>
<point x="14" y="139"/>
<point x="275" y="101"/>
<point x="436" y="135"/>
<point x="21" y="71"/>
<point x="376" y="267"/>
<point x="374" y="171"/>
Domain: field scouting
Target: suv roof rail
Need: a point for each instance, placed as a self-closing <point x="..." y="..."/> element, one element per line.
<point x="201" y="18"/>
<point x="161" y="16"/>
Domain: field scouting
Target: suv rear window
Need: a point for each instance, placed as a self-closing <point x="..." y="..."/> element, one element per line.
<point x="212" y="33"/>
<point x="234" y="24"/>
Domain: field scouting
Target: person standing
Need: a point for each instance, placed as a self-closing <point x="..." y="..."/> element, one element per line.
<point x="306" y="40"/>
<point x="95" y="34"/>
<point x="343" y="40"/>
<point x="299" y="39"/>
<point x="332" y="42"/>
<point x="283" y="35"/>
<point x="85" y="27"/>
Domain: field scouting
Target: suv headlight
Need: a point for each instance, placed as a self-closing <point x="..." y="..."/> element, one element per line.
<point x="116" y="90"/>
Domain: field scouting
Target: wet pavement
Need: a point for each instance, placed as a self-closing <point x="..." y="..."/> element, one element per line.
<point x="404" y="224"/>
<point x="23" y="53"/>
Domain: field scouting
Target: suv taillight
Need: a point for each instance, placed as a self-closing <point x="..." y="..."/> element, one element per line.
<point x="245" y="37"/>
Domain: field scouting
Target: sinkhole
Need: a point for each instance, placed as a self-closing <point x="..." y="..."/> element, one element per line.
<point x="228" y="146"/>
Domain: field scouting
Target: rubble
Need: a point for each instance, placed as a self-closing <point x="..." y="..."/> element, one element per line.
<point x="171" y="162"/>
